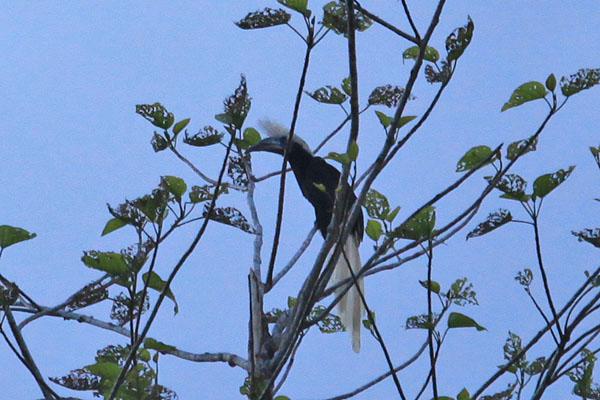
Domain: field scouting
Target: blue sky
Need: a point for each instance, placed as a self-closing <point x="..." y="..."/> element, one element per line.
<point x="71" y="142"/>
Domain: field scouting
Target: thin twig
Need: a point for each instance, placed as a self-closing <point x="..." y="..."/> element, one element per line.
<point x="200" y="173"/>
<point x="48" y="310"/>
<point x="537" y="306"/>
<point x="386" y="24"/>
<point x="410" y="20"/>
<point x="432" y="359"/>
<point x="296" y="256"/>
<point x="543" y="273"/>
<point x="373" y="382"/>
<point x="309" y="47"/>
<point x="289" y="365"/>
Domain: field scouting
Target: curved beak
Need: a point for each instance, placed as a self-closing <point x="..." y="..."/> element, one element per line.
<point x="270" y="144"/>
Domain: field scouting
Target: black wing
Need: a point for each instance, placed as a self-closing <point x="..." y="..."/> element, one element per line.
<point x="320" y="173"/>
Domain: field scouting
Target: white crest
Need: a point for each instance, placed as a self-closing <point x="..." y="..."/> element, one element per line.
<point x="275" y="129"/>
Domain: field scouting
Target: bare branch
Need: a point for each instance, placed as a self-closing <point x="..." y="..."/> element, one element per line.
<point x="296" y="256"/>
<point x="386" y="24"/>
<point x="206" y="178"/>
<point x="231" y="359"/>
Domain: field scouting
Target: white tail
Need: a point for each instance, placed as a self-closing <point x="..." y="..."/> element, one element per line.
<point x="350" y="306"/>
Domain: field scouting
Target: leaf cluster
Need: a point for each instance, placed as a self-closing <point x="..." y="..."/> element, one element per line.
<point x="140" y="382"/>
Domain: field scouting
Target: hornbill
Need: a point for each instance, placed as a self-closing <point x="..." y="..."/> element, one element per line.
<point x="313" y="175"/>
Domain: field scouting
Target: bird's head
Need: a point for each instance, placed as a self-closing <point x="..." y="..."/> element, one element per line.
<point x="277" y="140"/>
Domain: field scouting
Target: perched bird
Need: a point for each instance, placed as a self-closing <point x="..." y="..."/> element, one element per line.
<point x="318" y="181"/>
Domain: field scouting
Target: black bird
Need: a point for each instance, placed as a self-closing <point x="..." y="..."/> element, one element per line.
<point x="318" y="181"/>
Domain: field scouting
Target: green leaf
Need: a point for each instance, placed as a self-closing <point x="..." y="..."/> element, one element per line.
<point x="422" y="321"/>
<point x="111" y="262"/>
<point x="335" y="17"/>
<point x="264" y="19"/>
<point x="392" y="214"/>
<point x="376" y="204"/>
<point x="291" y="301"/>
<point x="10" y="235"/>
<point x="526" y="92"/>
<point x="342" y="158"/>
<point x="153" y="344"/>
<point x="548" y="182"/>
<point x="458" y="320"/>
<point x="584" y="79"/>
<point x="206" y="137"/>
<point x="493" y="221"/>
<point x="297" y="5"/>
<point x="384" y="119"/>
<point x="551" y="82"/>
<point x="418" y="227"/>
<point x="159" y="143"/>
<point x="154" y="281"/>
<point x="144" y="355"/>
<point x="431" y="54"/>
<point x="444" y="398"/>
<point x="516" y="147"/>
<point x="438" y="75"/>
<point x="105" y="370"/>
<point x="536" y="366"/>
<point x="156" y="114"/>
<point x="405" y="120"/>
<point x="174" y="185"/>
<point x="347" y="86"/>
<point x="328" y="94"/>
<point x="387" y="95"/>
<point x="432" y="286"/>
<point x="374" y="229"/>
<point x="251" y="136"/>
<point x="236" y="106"/>
<point x="112" y="225"/>
<point x="459" y="40"/>
<point x="591" y="236"/>
<point x="513" y="187"/>
<point x="328" y="323"/>
<point x="463" y="395"/>
<point x="321" y="187"/>
<point x="524" y="277"/>
<point x="229" y="216"/>
<point x="596" y="153"/>
<point x="281" y="398"/>
<point x="178" y="127"/>
<point x="411" y="53"/>
<point x="224" y="118"/>
<point x="473" y="157"/>
<point x="199" y="194"/>
<point x="353" y="151"/>
<point x="461" y="293"/>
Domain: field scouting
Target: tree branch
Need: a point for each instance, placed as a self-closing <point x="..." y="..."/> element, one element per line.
<point x="309" y="46"/>
<point x="386" y="24"/>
